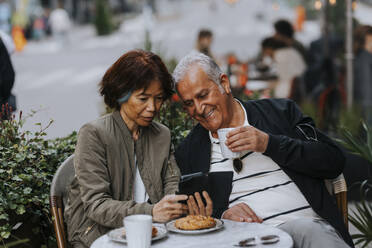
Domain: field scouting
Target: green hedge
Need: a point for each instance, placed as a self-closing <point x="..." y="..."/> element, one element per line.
<point x="179" y="123"/>
<point x="27" y="164"/>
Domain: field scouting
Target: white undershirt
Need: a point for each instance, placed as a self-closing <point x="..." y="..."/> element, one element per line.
<point x="139" y="194"/>
<point x="268" y="202"/>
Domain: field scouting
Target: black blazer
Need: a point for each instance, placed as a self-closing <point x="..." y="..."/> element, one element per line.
<point x="305" y="154"/>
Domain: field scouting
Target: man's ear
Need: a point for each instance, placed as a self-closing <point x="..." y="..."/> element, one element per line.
<point x="225" y="83"/>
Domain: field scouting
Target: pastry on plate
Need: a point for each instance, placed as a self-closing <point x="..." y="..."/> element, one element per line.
<point x="195" y="222"/>
<point x="154" y="232"/>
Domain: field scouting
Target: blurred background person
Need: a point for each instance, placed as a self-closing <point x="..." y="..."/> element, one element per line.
<point x="204" y="42"/>
<point x="300" y="17"/>
<point x="8" y="42"/>
<point x="287" y="62"/>
<point x="5" y="15"/>
<point x="60" y="24"/>
<point x="38" y="24"/>
<point x="7" y="76"/>
<point x="363" y="70"/>
<point x="284" y="31"/>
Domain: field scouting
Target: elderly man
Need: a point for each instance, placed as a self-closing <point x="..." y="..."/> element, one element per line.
<point x="279" y="177"/>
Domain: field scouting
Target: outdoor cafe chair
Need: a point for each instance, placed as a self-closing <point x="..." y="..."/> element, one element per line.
<point x="58" y="191"/>
<point x="66" y="172"/>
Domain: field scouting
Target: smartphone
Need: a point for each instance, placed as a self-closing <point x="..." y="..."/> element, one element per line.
<point x="217" y="184"/>
<point x="191" y="183"/>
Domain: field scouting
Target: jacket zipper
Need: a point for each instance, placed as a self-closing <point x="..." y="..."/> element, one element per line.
<point x="89" y="228"/>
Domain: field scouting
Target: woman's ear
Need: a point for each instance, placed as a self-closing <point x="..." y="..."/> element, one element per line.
<point x="225" y="83"/>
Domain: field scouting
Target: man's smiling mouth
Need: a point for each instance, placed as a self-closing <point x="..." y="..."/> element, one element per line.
<point x="208" y="114"/>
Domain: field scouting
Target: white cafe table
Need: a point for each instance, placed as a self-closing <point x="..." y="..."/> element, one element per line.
<point x="230" y="234"/>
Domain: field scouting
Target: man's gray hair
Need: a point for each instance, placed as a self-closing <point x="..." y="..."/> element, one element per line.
<point x="208" y="65"/>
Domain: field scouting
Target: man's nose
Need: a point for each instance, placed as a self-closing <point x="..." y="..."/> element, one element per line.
<point x="199" y="109"/>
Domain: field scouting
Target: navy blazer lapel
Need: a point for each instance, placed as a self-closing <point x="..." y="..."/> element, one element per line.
<point x="201" y="144"/>
<point x="252" y="114"/>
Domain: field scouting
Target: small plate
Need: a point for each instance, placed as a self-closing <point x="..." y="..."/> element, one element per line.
<point x="117" y="234"/>
<point x="171" y="227"/>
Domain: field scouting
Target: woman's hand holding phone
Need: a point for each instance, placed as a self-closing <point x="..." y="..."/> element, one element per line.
<point x="169" y="208"/>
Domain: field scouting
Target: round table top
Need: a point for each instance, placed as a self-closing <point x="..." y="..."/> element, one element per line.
<point x="228" y="236"/>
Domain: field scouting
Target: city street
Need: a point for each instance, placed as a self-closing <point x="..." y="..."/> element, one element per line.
<point x="61" y="83"/>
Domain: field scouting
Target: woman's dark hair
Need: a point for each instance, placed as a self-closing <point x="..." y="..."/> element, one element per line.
<point x="273" y="43"/>
<point x="132" y="71"/>
<point x="284" y="27"/>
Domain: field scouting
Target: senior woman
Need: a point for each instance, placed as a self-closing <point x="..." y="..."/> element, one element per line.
<point x="123" y="161"/>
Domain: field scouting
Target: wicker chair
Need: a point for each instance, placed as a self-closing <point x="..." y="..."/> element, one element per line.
<point x="62" y="178"/>
<point x="338" y="187"/>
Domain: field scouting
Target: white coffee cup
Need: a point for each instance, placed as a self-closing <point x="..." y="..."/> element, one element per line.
<point x="226" y="152"/>
<point x="138" y="230"/>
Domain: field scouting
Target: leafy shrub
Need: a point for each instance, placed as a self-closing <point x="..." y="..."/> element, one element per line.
<point x="103" y="19"/>
<point x="177" y="120"/>
<point x="27" y="165"/>
<point x="361" y="146"/>
<point x="350" y="119"/>
<point x="362" y="216"/>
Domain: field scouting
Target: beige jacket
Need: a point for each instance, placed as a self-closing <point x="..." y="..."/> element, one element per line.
<point x="101" y="194"/>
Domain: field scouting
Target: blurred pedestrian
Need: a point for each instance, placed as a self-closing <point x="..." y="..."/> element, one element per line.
<point x="300" y="17"/>
<point x="204" y="42"/>
<point x="284" y="31"/>
<point x="363" y="71"/>
<point x="45" y="16"/>
<point x="38" y="28"/>
<point x="19" y="38"/>
<point x="8" y="42"/>
<point x="7" y="77"/>
<point x="287" y="61"/>
<point x="5" y="15"/>
<point x="60" y="24"/>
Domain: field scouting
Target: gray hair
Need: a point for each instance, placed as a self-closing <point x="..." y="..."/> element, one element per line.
<point x="208" y="65"/>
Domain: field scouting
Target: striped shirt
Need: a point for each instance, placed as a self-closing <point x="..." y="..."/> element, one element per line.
<point x="263" y="186"/>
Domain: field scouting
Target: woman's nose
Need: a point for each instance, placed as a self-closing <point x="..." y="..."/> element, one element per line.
<point x="151" y="105"/>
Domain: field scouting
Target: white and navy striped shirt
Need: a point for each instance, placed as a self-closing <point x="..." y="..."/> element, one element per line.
<point x="263" y="186"/>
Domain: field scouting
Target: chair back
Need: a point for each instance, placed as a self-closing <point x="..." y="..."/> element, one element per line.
<point x="58" y="191"/>
<point x="338" y="187"/>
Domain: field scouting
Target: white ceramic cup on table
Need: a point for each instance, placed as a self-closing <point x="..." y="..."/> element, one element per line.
<point x="138" y="230"/>
<point x="226" y="152"/>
